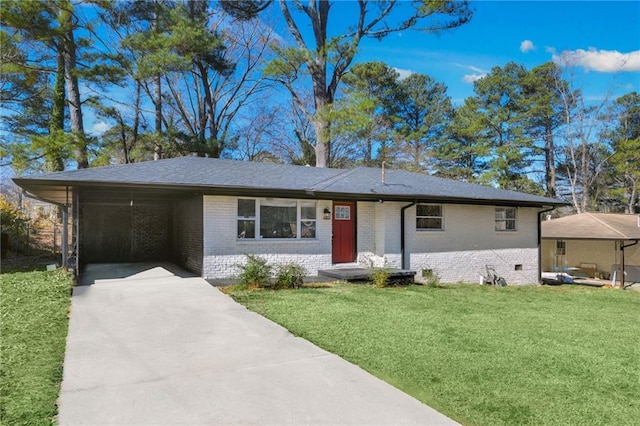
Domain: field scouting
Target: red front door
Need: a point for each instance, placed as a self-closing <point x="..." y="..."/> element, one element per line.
<point x="344" y="232"/>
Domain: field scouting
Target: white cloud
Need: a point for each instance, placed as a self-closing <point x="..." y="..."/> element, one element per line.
<point x="527" y="46"/>
<point x="599" y="60"/>
<point x="478" y="73"/>
<point x="403" y="73"/>
<point x="471" y="67"/>
<point x="98" y="128"/>
<point x="470" y="78"/>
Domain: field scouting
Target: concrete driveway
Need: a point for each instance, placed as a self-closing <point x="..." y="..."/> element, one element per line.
<point x="158" y="346"/>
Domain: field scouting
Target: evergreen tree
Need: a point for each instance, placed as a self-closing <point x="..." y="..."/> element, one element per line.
<point x="543" y="107"/>
<point x="363" y="115"/>
<point x="463" y="153"/>
<point x="499" y="99"/>
<point x="325" y="58"/>
<point x="422" y="109"/>
<point x="624" y="139"/>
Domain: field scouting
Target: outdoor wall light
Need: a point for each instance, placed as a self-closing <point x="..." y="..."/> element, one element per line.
<point x="326" y="214"/>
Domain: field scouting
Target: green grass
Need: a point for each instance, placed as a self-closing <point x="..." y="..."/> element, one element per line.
<point x="34" y="312"/>
<point x="482" y="355"/>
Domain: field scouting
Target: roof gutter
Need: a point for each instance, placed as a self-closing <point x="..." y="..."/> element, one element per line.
<point x="540" y="213"/>
<point x="402" y="232"/>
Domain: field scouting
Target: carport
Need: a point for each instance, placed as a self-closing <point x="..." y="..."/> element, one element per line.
<point x="593" y="245"/>
<point x="113" y="223"/>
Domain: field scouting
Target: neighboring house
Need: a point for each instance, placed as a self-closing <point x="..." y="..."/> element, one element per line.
<point x="206" y="214"/>
<point x="588" y="244"/>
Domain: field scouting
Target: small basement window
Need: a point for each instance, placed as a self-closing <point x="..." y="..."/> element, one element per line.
<point x="506" y="219"/>
<point x="429" y="217"/>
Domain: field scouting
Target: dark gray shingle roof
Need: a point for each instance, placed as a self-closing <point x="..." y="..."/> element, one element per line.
<point x="198" y="171"/>
<point x="366" y="180"/>
<point x="210" y="174"/>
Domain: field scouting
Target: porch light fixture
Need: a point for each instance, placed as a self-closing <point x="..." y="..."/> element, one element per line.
<point x="326" y="213"/>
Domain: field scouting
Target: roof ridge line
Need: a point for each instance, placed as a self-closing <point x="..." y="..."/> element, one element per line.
<point x="607" y="225"/>
<point x="346" y="172"/>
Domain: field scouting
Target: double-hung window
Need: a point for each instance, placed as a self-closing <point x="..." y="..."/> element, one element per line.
<point x="246" y="218"/>
<point x="429" y="217"/>
<point x="276" y="219"/>
<point x="506" y="219"/>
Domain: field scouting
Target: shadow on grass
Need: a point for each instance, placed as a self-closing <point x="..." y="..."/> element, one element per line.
<point x="36" y="261"/>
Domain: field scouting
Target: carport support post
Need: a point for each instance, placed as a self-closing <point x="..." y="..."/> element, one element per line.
<point x="622" y="265"/>
<point x="65" y="236"/>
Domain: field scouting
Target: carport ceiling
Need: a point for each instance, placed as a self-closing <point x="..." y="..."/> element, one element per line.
<point x="127" y="195"/>
<point x="62" y="194"/>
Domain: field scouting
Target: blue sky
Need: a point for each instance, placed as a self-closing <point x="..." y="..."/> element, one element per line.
<point x="596" y="36"/>
<point x="602" y="40"/>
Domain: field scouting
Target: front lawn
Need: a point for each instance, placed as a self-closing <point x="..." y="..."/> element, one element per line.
<point x="481" y="355"/>
<point x="34" y="311"/>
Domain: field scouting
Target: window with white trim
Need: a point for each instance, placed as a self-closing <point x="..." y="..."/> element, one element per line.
<point x="276" y="219"/>
<point x="506" y="219"/>
<point x="429" y="217"/>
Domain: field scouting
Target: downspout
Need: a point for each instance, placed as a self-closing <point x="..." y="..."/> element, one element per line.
<point x="402" y="237"/>
<point x="622" y="247"/>
<point x="540" y="213"/>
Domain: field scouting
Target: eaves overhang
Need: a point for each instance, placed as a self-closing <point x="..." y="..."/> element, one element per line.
<point x="57" y="192"/>
<point x="426" y="198"/>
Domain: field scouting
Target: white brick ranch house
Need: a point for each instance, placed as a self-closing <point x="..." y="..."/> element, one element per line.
<point x="206" y="214"/>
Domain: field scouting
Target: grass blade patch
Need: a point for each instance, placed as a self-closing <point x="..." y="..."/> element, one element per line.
<point x="34" y="312"/>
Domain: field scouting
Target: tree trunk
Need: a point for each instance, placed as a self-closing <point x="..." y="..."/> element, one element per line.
<point x="136" y="120"/>
<point x="584" y="173"/>
<point x="322" y="127"/>
<point x="550" y="161"/>
<point x="633" y="195"/>
<point x="214" y="147"/>
<point x="68" y="48"/>
<point x="157" y="148"/>
<point x="54" y="161"/>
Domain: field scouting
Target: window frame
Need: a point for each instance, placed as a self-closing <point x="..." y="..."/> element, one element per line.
<point x="506" y="219"/>
<point x="301" y="223"/>
<point x="440" y="217"/>
<point x="337" y="215"/>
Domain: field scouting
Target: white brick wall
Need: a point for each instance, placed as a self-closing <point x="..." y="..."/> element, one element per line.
<point x="468" y="265"/>
<point x="366" y="233"/>
<point x="469" y="242"/>
<point x="223" y="250"/>
<point x="379" y="234"/>
<point x="458" y="253"/>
